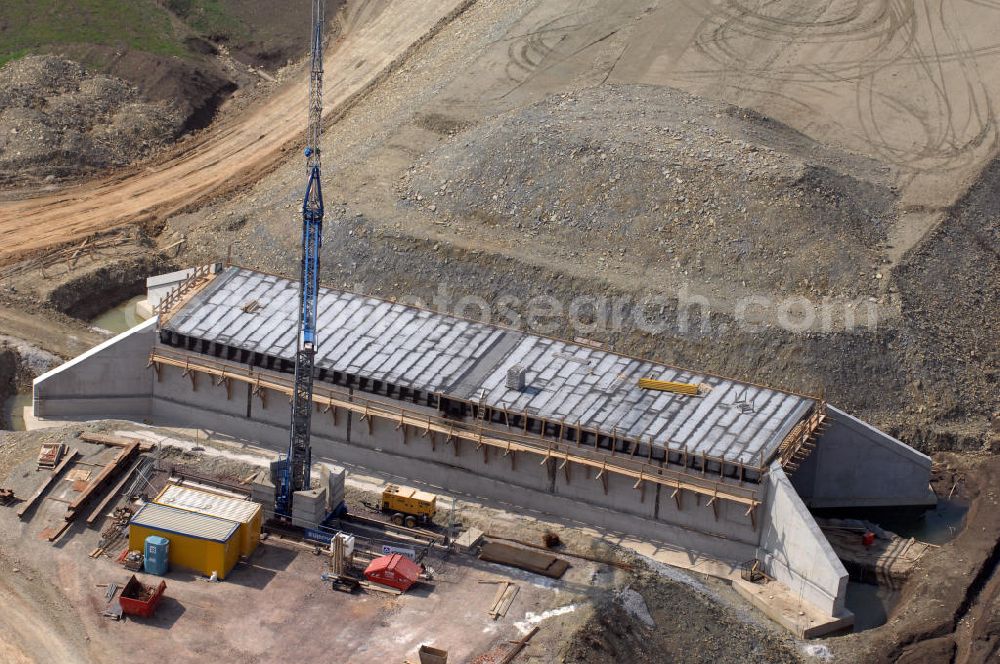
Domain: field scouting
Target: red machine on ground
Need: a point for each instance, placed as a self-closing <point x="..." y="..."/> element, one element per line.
<point x="396" y="571"/>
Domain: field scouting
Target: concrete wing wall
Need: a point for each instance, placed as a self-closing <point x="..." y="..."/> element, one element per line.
<point x="110" y="380"/>
<point x="795" y="551"/>
<point x="856" y="465"/>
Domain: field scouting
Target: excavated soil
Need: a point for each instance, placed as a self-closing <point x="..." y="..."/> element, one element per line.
<point x="8" y="378"/>
<point x="96" y="290"/>
<point x="194" y="87"/>
<point x="261" y="33"/>
<point x="950" y="604"/>
<point x="667" y="182"/>
<point x="57" y="121"/>
<point x="690" y="624"/>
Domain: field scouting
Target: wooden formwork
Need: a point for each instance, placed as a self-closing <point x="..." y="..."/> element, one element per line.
<point x="510" y="442"/>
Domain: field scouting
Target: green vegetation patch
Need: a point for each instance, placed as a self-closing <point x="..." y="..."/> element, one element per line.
<point x="211" y="18"/>
<point x="36" y="25"/>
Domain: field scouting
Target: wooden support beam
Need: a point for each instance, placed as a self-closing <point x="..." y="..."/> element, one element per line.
<point x="260" y="392"/>
<point x="56" y="472"/>
<point x="114" y="441"/>
<point x="641" y="486"/>
<point x="102" y="479"/>
<point x="224" y="379"/>
<point x="713" y="503"/>
<point x="112" y="495"/>
<point x="519" y="646"/>
<point x="598" y="458"/>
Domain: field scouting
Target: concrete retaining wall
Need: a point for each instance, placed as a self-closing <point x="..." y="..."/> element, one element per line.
<point x="856" y="465"/>
<point x="795" y="551"/>
<point x="528" y="484"/>
<point x="109" y="381"/>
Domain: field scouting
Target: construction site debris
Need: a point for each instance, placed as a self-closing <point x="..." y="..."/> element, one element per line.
<point x="102" y="479"/>
<point x="581" y="556"/>
<point x="28" y="504"/>
<point x="871" y="553"/>
<point x="431" y="655"/>
<point x="50" y="454"/>
<point x="131" y="560"/>
<point x="468" y="540"/>
<point x="138" y="599"/>
<point x="504" y="597"/>
<point x="115" y="441"/>
<point x="531" y="561"/>
<point x="519" y="646"/>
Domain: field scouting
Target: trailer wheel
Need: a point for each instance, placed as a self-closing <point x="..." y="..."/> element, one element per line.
<point x="397" y="519"/>
<point x="411" y="521"/>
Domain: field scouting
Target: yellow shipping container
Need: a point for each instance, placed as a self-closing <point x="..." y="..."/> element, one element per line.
<point x="198" y="542"/>
<point x="248" y="514"/>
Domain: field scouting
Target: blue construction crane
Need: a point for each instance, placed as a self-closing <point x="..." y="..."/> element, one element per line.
<point x="293" y="474"/>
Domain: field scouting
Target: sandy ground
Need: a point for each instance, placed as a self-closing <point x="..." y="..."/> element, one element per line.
<point x="374" y="35"/>
<point x="908" y="84"/>
<point x="53" y="603"/>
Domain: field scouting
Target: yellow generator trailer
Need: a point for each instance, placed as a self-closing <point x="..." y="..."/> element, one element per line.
<point x="408" y="506"/>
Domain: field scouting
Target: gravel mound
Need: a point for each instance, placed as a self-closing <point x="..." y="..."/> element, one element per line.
<point x="58" y="121"/>
<point x="655" y="176"/>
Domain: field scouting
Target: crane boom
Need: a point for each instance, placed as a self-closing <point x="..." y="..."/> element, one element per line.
<point x="294" y="475"/>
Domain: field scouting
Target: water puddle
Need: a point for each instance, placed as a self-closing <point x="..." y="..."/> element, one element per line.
<point x="870" y="604"/>
<point x="120" y="318"/>
<point x="936" y="526"/>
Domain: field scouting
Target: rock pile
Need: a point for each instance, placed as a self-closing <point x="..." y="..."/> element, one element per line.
<point x="59" y="121"/>
<point x="656" y="177"/>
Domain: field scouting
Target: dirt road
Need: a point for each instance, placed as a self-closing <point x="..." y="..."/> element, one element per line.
<point x="374" y="37"/>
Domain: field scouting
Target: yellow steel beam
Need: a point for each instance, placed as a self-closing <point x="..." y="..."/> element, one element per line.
<point x="690" y="389"/>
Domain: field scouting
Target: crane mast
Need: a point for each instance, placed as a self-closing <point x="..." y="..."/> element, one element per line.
<point x="294" y="473"/>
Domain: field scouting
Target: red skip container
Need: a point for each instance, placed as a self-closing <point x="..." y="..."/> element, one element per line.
<point x="138" y="599"/>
